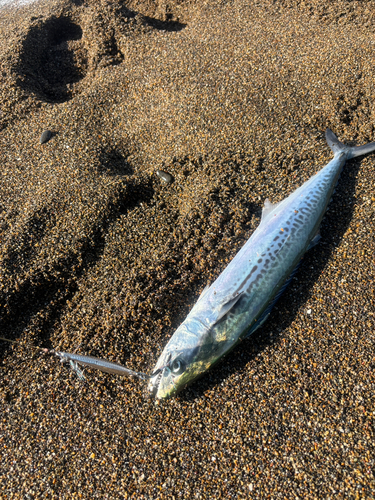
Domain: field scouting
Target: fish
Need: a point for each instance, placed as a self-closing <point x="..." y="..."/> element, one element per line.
<point x="241" y="298"/>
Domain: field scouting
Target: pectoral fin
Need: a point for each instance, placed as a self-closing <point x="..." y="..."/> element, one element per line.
<point x="226" y="306"/>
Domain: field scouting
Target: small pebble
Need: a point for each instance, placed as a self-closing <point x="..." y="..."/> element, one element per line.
<point x="45" y="137"/>
<point x="164" y="176"/>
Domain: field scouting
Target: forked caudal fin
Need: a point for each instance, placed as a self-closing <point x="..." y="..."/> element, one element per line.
<point x="337" y="146"/>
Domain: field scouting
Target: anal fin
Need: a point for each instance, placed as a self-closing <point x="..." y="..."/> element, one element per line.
<point x="314" y="241"/>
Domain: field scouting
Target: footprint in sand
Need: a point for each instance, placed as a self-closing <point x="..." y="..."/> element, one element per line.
<point x="58" y="52"/>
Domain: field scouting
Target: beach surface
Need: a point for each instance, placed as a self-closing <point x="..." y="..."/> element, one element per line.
<point x="100" y="256"/>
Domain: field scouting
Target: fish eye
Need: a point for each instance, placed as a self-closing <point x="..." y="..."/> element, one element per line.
<point x="178" y="366"/>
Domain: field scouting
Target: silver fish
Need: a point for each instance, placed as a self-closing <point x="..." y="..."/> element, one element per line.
<point x="241" y="298"/>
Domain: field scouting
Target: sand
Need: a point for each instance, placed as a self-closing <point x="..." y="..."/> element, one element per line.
<point x="100" y="256"/>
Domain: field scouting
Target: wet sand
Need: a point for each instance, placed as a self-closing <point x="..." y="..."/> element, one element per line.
<point x="98" y="255"/>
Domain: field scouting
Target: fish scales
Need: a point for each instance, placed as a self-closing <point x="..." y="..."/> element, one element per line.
<point x="239" y="299"/>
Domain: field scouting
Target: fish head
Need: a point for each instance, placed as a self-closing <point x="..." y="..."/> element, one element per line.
<point x="188" y="354"/>
<point x="174" y="371"/>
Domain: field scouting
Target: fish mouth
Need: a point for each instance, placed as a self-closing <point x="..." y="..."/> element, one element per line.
<point x="155" y="383"/>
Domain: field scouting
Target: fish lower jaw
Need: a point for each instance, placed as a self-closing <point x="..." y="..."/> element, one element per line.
<point x="153" y="386"/>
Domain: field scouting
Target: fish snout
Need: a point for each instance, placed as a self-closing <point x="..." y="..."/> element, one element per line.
<point x="154" y="382"/>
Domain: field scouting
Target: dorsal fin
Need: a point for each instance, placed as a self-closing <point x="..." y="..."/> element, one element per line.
<point x="267" y="208"/>
<point x="203" y="292"/>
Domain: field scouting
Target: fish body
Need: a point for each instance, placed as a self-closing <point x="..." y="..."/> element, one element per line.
<point x="240" y="299"/>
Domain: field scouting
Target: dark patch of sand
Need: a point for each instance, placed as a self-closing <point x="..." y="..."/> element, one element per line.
<point x="99" y="255"/>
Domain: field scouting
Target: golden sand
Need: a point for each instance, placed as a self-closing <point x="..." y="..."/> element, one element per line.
<point x="100" y="256"/>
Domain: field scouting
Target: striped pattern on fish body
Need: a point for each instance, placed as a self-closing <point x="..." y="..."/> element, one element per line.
<point x="240" y="298"/>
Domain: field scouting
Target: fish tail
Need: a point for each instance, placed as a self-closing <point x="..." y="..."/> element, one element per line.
<point x="337" y="146"/>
